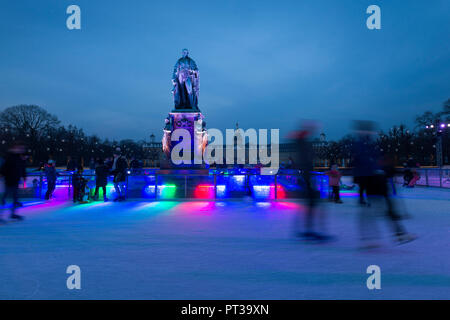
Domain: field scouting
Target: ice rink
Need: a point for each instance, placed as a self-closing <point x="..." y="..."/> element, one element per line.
<point x="220" y="250"/>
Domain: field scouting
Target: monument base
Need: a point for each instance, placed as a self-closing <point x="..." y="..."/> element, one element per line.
<point x="193" y="122"/>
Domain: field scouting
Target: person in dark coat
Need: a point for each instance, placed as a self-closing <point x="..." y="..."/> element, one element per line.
<point x="407" y="177"/>
<point x="13" y="169"/>
<point x="92" y="164"/>
<point x="119" y="170"/>
<point x="101" y="179"/>
<point x="71" y="164"/>
<point x="78" y="183"/>
<point x="51" y="175"/>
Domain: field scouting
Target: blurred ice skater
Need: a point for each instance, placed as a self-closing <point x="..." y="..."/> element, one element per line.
<point x="13" y="169"/>
<point x="368" y="170"/>
<point x="303" y="161"/>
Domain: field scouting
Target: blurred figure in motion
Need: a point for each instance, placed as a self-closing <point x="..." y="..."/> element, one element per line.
<point x="407" y="177"/>
<point x="51" y="175"/>
<point x="368" y="168"/>
<point x="303" y="161"/>
<point x="364" y="156"/>
<point x="13" y="169"/>
<point x="388" y="166"/>
<point x="334" y="181"/>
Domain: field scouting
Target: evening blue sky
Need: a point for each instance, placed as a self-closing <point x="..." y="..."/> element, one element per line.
<point x="264" y="64"/>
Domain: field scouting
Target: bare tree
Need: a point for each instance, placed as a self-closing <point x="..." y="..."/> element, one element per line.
<point x="28" y="119"/>
<point x="425" y="119"/>
<point x="429" y="117"/>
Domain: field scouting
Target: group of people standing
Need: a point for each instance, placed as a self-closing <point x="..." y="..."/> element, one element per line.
<point x="116" y="166"/>
<point x="13" y="169"/>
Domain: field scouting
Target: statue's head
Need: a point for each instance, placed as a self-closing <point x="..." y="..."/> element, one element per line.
<point x="185" y="53"/>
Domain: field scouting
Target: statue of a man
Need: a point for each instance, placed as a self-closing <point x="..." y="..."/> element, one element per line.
<point x="185" y="80"/>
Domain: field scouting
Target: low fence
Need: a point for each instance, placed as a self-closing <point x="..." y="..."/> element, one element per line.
<point x="430" y="177"/>
<point x="165" y="186"/>
<point x="154" y="185"/>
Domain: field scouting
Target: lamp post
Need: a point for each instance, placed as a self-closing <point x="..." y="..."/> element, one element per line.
<point x="438" y="129"/>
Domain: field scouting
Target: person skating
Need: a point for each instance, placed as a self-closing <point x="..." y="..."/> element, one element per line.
<point x="407" y="176"/>
<point x="415" y="177"/>
<point x="51" y="175"/>
<point x="388" y="165"/>
<point x="101" y="179"/>
<point x="13" y="169"/>
<point x="334" y="180"/>
<point x="119" y="170"/>
<point x="363" y="161"/>
<point x="377" y="192"/>
<point x="369" y="165"/>
<point x="303" y="161"/>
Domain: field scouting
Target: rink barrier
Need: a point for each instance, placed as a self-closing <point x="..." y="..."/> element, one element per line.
<point x="430" y="177"/>
<point x="149" y="184"/>
<point x="216" y="185"/>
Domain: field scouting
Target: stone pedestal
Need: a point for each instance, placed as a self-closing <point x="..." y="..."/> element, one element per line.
<point x="191" y="121"/>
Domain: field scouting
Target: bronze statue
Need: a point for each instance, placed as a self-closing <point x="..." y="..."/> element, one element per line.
<point x="186" y="81"/>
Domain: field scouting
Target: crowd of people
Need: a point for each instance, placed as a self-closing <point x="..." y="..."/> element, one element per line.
<point x="13" y="170"/>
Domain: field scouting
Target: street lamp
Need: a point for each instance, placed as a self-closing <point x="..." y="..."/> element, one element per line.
<point x="438" y="130"/>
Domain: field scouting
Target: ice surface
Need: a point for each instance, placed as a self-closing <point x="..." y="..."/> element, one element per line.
<point x="222" y="250"/>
